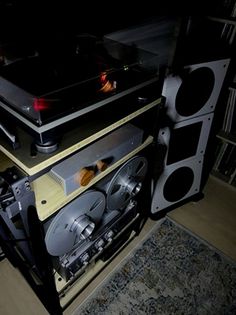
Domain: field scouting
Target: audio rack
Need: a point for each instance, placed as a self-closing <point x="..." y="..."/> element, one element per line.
<point x="71" y="236"/>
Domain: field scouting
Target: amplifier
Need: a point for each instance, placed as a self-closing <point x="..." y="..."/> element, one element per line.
<point x="78" y="169"/>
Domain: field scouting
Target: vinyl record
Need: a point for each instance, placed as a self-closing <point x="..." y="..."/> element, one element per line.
<point x="126" y="183"/>
<point x="177" y="182"/>
<point x="186" y="139"/>
<point x="196" y="91"/>
<point x="75" y="223"/>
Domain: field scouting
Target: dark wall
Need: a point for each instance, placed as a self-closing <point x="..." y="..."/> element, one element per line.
<point x="44" y="17"/>
<point x="39" y="24"/>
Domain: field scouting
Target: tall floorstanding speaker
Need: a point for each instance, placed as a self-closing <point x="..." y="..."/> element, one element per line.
<point x="191" y="99"/>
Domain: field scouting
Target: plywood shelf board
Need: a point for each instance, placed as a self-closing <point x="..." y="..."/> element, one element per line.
<point x="72" y="141"/>
<point x="50" y="196"/>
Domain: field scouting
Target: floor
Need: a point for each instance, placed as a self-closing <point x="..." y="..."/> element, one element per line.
<point x="213" y="218"/>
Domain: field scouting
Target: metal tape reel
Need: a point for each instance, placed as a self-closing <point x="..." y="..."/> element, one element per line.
<point x="126" y="183"/>
<point x="75" y="223"/>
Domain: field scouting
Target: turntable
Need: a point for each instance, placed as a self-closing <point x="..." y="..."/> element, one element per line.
<point x="47" y="94"/>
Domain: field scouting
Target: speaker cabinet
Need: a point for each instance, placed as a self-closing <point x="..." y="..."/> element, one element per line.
<point x="191" y="98"/>
<point x="178" y="182"/>
<point x="195" y="91"/>
<point x="186" y="139"/>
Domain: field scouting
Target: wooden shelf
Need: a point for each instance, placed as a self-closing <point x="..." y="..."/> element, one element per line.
<point x="50" y="196"/>
<point x="72" y="141"/>
<point x="232" y="86"/>
<point x="231" y="21"/>
<point x="5" y="162"/>
<point x="226" y="137"/>
<point x="222" y="177"/>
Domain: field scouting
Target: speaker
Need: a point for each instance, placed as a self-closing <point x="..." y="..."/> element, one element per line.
<point x="177" y="182"/>
<point x="191" y="98"/>
<point x="195" y="90"/>
<point x="186" y="139"/>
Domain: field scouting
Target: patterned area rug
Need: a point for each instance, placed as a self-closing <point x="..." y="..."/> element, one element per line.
<point x="172" y="272"/>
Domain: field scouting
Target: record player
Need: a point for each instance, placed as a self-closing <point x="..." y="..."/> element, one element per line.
<point x="47" y="94"/>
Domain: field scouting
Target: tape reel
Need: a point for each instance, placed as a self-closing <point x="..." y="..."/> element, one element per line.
<point x="75" y="223"/>
<point x="126" y="183"/>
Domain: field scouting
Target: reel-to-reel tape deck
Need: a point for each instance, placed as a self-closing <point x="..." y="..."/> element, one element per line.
<point x="82" y="230"/>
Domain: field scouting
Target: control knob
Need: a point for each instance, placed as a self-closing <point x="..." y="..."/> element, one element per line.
<point x="84" y="258"/>
<point x="101" y="165"/>
<point x="109" y="236"/>
<point x="99" y="244"/>
<point x="84" y="176"/>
